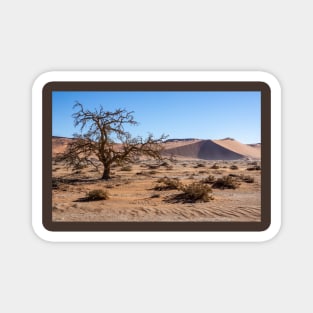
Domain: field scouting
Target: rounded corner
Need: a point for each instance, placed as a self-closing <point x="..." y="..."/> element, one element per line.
<point x="42" y="232"/>
<point x="271" y="231"/>
<point x="270" y="80"/>
<point x="42" y="80"/>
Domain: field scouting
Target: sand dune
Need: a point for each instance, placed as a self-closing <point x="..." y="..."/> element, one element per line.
<point x="216" y="150"/>
<point x="252" y="151"/>
<point x="223" y="149"/>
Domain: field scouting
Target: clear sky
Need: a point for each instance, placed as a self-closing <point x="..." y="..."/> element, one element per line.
<point x="182" y="114"/>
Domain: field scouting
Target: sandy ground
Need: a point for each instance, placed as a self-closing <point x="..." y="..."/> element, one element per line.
<point x="133" y="197"/>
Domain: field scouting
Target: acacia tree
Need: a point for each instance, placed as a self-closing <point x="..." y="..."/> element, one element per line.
<point x="103" y="137"/>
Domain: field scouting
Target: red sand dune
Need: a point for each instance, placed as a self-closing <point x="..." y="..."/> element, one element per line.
<point x="227" y="149"/>
<point x="251" y="151"/>
<point x="224" y="149"/>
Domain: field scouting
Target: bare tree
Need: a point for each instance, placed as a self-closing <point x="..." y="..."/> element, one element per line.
<point x="103" y="137"/>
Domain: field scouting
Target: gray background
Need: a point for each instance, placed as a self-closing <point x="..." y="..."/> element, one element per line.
<point x="38" y="36"/>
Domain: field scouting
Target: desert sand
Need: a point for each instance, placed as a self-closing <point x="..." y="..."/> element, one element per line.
<point x="133" y="195"/>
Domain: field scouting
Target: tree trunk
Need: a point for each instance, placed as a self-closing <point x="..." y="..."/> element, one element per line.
<point x="106" y="173"/>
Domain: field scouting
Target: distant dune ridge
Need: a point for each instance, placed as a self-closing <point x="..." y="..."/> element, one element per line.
<point x="222" y="149"/>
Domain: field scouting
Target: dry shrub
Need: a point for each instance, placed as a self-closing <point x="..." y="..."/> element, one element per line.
<point x="253" y="163"/>
<point x="233" y="167"/>
<point x="55" y="183"/>
<point x="208" y="180"/>
<point x="203" y="172"/>
<point x="247" y="179"/>
<point x="227" y="182"/>
<point x="199" y="165"/>
<point x="196" y="191"/>
<point x="254" y="168"/>
<point x="153" y="167"/>
<point x="97" y="194"/>
<point x="167" y="183"/>
<point x="215" y="167"/>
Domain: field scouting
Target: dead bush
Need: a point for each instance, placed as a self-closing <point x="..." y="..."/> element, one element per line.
<point x="196" y="192"/>
<point x="227" y="182"/>
<point x="254" y="168"/>
<point x="97" y="194"/>
<point x="199" y="165"/>
<point x="167" y="183"/>
<point x="247" y="179"/>
<point x="208" y="180"/>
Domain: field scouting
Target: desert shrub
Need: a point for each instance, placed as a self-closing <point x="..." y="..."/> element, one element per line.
<point x="202" y="172"/>
<point x="153" y="167"/>
<point x="153" y="172"/>
<point x="248" y="179"/>
<point x="208" y="180"/>
<point x="97" y="194"/>
<point x="196" y="191"/>
<point x="254" y="168"/>
<point x="215" y="167"/>
<point x="199" y="165"/>
<point x="155" y="195"/>
<point x="55" y="183"/>
<point x="227" y="182"/>
<point x="233" y="167"/>
<point x="164" y="164"/>
<point x="167" y="183"/>
<point x="253" y="163"/>
<point x="126" y="168"/>
<point x="233" y="175"/>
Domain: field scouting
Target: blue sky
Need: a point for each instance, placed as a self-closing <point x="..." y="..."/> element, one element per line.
<point x="182" y="114"/>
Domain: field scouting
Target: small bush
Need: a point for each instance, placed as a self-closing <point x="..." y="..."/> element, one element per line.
<point x="197" y="192"/>
<point x="55" y="183"/>
<point x="97" y="194"/>
<point x="215" y="167"/>
<point x="247" y="179"/>
<point x="254" y="168"/>
<point x="233" y="167"/>
<point x="233" y="175"/>
<point x="153" y="167"/>
<point x="199" y="165"/>
<point x="203" y="172"/>
<point x="253" y="163"/>
<point x="155" y="196"/>
<point x="167" y="183"/>
<point x="209" y="180"/>
<point x="227" y="182"/>
<point x="126" y="168"/>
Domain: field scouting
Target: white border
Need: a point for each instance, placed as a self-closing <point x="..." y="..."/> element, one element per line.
<point x="235" y="76"/>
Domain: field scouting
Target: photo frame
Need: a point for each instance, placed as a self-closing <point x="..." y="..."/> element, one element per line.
<point x="185" y="82"/>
